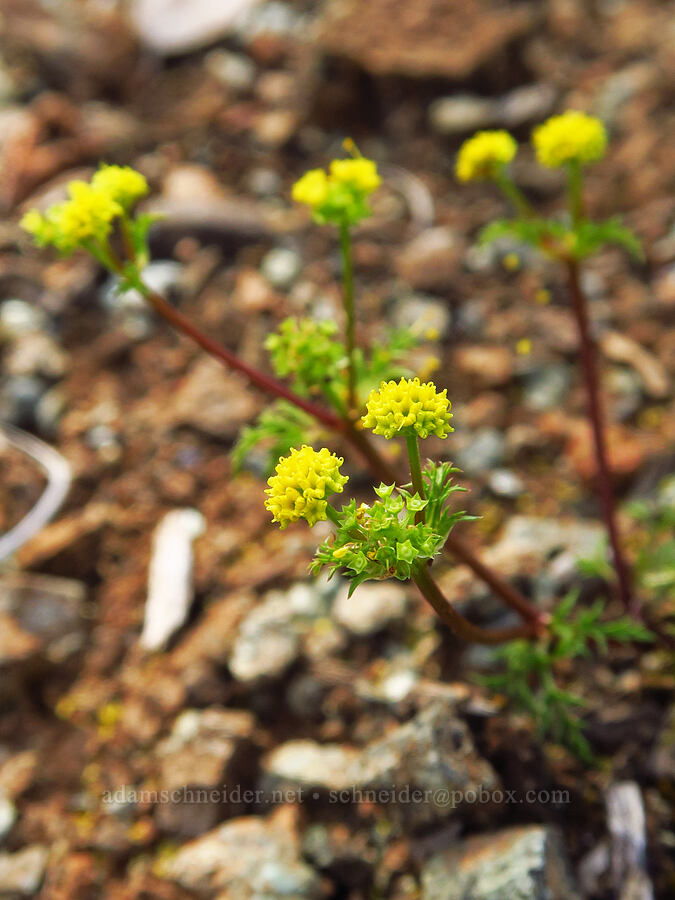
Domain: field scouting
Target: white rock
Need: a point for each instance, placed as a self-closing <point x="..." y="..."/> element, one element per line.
<point x="371" y="607"/>
<point x="22" y="872"/>
<point x="7" y="815"/>
<point x="462" y="113"/>
<point x="308" y="763"/>
<point x="177" y="26"/>
<point x="170" y="590"/>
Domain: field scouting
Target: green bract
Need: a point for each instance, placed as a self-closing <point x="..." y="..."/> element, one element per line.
<point x="379" y="541"/>
<point x="387" y="539"/>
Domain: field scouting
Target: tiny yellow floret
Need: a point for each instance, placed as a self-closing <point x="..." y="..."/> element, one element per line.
<point x="406" y="407"/>
<point x="360" y="173"/>
<point x="301" y="483"/>
<point x="121" y="183"/>
<point x="484" y="155"/>
<point x="312" y="188"/>
<point x="571" y="137"/>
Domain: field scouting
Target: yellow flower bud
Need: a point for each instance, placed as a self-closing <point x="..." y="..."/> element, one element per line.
<point x="407" y="407"/>
<point x="312" y="188"/>
<point x="301" y="483"/>
<point x="484" y="155"/>
<point x="121" y="183"/>
<point x="571" y="137"/>
<point x="360" y="173"/>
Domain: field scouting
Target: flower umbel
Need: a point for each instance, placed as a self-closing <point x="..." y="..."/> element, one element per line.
<point x="301" y="483"/>
<point x="484" y="155"/>
<point x="121" y="183"/>
<point x="340" y="195"/>
<point x="408" y="407"/>
<point x="311" y="189"/>
<point x="571" y="137"/>
<point x="357" y="173"/>
<point x="85" y="217"/>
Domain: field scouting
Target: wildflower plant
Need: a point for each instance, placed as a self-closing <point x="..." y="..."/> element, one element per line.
<point x="529" y="679"/>
<point x="328" y="388"/>
<point x="571" y="142"/>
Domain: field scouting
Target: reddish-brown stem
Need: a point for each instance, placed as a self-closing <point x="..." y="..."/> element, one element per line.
<point x="376" y="463"/>
<point x="461" y="626"/>
<point x="227" y="357"/>
<point x="588" y="352"/>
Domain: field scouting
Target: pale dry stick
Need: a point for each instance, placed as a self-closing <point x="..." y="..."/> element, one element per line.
<point x="58" y="483"/>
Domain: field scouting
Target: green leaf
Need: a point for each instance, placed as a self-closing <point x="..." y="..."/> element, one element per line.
<point x="593" y="236"/>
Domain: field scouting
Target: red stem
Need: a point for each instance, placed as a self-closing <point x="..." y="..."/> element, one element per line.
<point x="461" y="626"/>
<point x="588" y="351"/>
<point x="265" y="382"/>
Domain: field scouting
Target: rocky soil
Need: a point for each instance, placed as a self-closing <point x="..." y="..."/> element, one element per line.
<point x="266" y="736"/>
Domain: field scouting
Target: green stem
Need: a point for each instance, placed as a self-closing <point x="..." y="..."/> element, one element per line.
<point x="575" y="192"/>
<point x="348" y="298"/>
<point x="412" y="443"/>
<point x="513" y="193"/>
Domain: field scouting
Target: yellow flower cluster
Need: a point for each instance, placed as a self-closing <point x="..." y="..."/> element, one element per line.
<point x="339" y="195"/>
<point x="87" y="215"/>
<point x="301" y="483"/>
<point x="122" y="183"/>
<point x="484" y="155"/>
<point x="571" y="137"/>
<point x="359" y="173"/>
<point x="407" y="407"/>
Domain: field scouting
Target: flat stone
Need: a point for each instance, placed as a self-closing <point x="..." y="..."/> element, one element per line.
<point x="281" y="267"/>
<point x="372" y="607"/>
<point x="433" y="754"/>
<point x="246" y="858"/>
<point x="170" y="27"/>
<point x="432" y="259"/>
<point x="269" y="638"/>
<point x="206" y="750"/>
<point x="42" y="615"/>
<point x="423" y="315"/>
<point x="22" y="872"/>
<point x="525" y="863"/>
<point x="483" y="451"/>
<point x="461" y="113"/>
<point x="443" y="38"/>
<point x="212" y="400"/>
<point x="306" y="763"/>
<point x="653" y="374"/>
<point x="527" y="541"/>
<point x="490" y="366"/>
